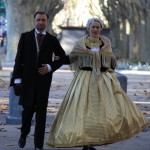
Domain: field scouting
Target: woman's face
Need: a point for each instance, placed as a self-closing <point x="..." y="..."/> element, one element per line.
<point x="95" y="29"/>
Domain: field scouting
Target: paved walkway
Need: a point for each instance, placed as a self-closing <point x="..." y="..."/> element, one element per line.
<point x="138" y="90"/>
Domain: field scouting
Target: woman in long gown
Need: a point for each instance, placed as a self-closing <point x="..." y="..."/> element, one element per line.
<point x="95" y="110"/>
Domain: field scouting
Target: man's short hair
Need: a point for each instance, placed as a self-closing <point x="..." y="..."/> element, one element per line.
<point x="41" y="13"/>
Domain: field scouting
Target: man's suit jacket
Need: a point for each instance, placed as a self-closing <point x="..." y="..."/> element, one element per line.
<point x="35" y="87"/>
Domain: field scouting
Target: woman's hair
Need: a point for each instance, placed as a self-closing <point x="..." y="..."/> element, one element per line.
<point x="91" y="20"/>
<point x="41" y="13"/>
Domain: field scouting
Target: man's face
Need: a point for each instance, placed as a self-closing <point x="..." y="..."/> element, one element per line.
<point x="41" y="22"/>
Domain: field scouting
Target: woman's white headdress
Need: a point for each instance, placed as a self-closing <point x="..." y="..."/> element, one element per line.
<point x="92" y="20"/>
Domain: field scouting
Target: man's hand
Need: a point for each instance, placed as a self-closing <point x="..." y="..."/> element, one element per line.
<point x="43" y="70"/>
<point x="17" y="89"/>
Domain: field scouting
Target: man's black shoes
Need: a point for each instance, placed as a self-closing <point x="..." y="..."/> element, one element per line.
<point x="22" y="142"/>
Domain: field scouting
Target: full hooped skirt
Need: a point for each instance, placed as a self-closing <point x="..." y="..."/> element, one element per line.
<point x="95" y="111"/>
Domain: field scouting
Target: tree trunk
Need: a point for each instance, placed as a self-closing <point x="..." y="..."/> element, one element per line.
<point x="15" y="26"/>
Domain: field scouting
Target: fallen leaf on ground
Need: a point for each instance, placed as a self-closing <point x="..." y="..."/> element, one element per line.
<point x="2" y="130"/>
<point x="141" y="83"/>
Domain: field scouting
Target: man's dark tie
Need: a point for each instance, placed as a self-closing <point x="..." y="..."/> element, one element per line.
<point x="40" y="39"/>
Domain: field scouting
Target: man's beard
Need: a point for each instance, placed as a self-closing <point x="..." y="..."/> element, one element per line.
<point x="40" y="27"/>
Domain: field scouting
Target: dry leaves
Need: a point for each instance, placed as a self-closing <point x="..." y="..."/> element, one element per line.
<point x="2" y="130"/>
<point x="3" y="84"/>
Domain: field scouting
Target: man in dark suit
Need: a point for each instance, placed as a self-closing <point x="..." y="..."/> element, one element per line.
<point x="33" y="74"/>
